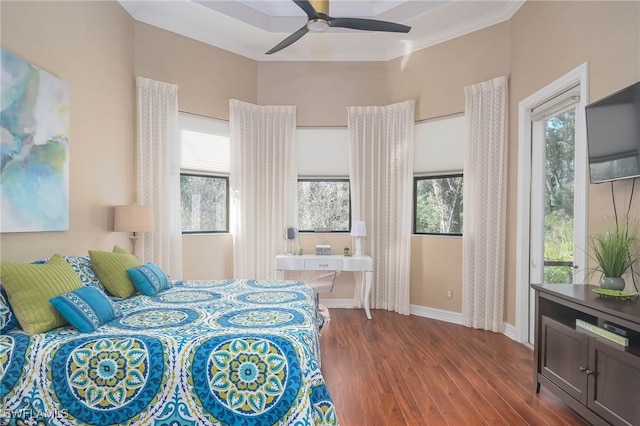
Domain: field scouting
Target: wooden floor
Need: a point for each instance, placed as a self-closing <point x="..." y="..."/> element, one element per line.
<point x="410" y="370"/>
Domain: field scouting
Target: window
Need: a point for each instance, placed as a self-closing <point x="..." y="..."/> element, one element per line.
<point x="437" y="187"/>
<point x="204" y="176"/>
<point x="438" y="205"/>
<point x="205" y="201"/>
<point x="324" y="204"/>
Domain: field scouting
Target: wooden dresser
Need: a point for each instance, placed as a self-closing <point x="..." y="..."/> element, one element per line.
<point x="597" y="378"/>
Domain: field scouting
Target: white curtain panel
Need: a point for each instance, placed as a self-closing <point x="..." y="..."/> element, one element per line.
<point x="263" y="183"/>
<point x="158" y="173"/>
<point x="485" y="205"/>
<point x="381" y="173"/>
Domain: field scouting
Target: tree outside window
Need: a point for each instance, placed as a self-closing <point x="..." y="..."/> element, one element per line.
<point x="205" y="203"/>
<point x="559" y="197"/>
<point x="324" y="204"/>
<point x="438" y="205"/>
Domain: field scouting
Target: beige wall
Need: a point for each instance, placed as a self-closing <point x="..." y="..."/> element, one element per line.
<point x="436" y="268"/>
<point x="101" y="49"/>
<point x="207" y="257"/>
<point x="322" y="91"/>
<point x="89" y="46"/>
<point x="207" y="77"/>
<point x="435" y="77"/>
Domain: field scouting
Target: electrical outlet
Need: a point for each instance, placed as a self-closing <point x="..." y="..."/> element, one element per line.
<point x="449" y="294"/>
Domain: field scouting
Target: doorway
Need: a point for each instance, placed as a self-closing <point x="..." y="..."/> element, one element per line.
<point x="552" y="192"/>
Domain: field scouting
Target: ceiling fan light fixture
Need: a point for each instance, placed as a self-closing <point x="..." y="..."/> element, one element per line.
<point x="317" y="25"/>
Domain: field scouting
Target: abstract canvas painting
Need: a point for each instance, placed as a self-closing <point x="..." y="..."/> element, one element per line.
<point x="34" y="148"/>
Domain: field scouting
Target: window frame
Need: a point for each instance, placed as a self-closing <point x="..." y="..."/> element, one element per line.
<point x="327" y="179"/>
<point x="227" y="198"/>
<point x="416" y="179"/>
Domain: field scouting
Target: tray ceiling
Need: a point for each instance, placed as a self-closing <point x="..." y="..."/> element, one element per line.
<point x="252" y="27"/>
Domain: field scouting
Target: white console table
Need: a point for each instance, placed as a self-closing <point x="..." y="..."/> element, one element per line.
<point x="308" y="262"/>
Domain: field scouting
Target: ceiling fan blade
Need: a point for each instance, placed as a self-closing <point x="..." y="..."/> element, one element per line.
<point x="307" y="7"/>
<point x="289" y="40"/>
<point x="368" y="25"/>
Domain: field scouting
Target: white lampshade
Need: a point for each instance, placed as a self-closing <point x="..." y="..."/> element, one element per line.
<point x="133" y="218"/>
<point x="359" y="228"/>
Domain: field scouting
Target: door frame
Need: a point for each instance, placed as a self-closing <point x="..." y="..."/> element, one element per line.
<point x="579" y="75"/>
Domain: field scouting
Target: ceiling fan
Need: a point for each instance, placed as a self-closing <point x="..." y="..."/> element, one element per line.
<point x="319" y="20"/>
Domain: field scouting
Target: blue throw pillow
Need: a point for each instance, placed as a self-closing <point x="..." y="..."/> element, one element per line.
<point x="149" y="279"/>
<point x="86" y="308"/>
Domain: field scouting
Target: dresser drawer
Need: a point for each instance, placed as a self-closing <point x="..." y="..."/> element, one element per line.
<point x="323" y="264"/>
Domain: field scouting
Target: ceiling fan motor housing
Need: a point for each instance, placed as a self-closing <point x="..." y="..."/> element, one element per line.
<point x="320" y="6"/>
<point x="321" y="23"/>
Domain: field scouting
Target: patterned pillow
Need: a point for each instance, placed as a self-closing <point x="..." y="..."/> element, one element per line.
<point x="8" y="319"/>
<point x="111" y="269"/>
<point x="86" y="308"/>
<point x="82" y="266"/>
<point x="29" y="288"/>
<point x="149" y="279"/>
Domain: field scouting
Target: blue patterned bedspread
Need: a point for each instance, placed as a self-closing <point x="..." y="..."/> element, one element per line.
<point x="235" y="352"/>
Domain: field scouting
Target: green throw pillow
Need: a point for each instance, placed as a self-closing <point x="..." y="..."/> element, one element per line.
<point x="118" y="249"/>
<point x="111" y="269"/>
<point x="30" y="286"/>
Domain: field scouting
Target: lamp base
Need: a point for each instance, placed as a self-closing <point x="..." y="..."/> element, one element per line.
<point x="134" y="244"/>
<point x="358" y="247"/>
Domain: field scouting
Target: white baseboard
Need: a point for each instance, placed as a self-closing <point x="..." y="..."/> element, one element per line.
<point x="421" y="311"/>
<point x="337" y="303"/>
<point x="510" y="331"/>
<point x="437" y="314"/>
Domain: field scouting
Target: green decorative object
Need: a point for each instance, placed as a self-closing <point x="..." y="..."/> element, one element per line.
<point x="615" y="251"/>
<point x="347" y="251"/>
<point x="615" y="294"/>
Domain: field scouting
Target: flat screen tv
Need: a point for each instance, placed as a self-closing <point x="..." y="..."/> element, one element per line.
<point x="613" y="135"/>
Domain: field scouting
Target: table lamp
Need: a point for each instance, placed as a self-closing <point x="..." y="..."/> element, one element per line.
<point x="358" y="230"/>
<point x="133" y="218"/>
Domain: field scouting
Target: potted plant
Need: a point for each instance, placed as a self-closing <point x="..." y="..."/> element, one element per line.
<point x="616" y="251"/>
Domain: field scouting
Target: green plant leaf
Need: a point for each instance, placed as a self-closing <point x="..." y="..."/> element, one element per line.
<point x="615" y="251"/>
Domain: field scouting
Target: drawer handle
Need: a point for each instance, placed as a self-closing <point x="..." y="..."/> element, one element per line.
<point x="586" y="371"/>
<point x="323" y="265"/>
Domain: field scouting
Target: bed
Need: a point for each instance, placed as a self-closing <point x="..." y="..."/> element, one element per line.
<point x="226" y="352"/>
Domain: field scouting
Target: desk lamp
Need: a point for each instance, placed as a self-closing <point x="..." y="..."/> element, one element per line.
<point x="358" y="230"/>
